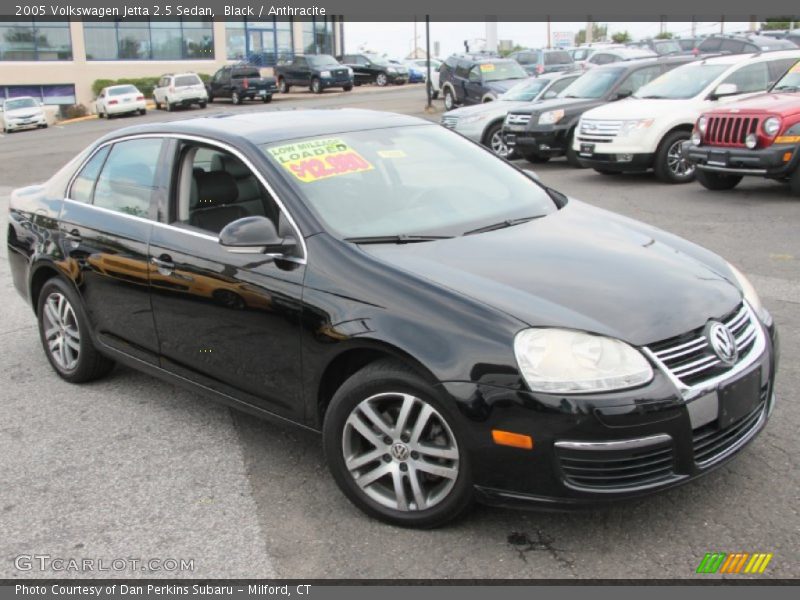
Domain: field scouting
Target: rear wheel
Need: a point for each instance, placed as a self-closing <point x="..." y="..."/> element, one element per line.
<point x="202" y="104"/>
<point x="266" y="99"/>
<point x="316" y="85"/>
<point x="449" y="99"/>
<point x="395" y="450"/>
<point x="717" y="181"/>
<point x="142" y="111"/>
<point x="158" y="104"/>
<point x="283" y="87"/>
<point x="670" y="165"/>
<point x="64" y="333"/>
<point x="168" y="105"/>
<point x="235" y="98"/>
<point x="348" y="88"/>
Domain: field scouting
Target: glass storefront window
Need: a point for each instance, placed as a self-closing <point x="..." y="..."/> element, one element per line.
<point x="35" y="40"/>
<point x="143" y="40"/>
<point x="259" y="42"/>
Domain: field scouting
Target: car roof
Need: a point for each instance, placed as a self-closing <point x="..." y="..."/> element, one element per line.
<point x="267" y="127"/>
<point x="733" y="59"/>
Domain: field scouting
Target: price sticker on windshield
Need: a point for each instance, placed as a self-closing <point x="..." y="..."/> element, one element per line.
<point x="487" y="68"/>
<point x="795" y="68"/>
<point x="319" y="159"/>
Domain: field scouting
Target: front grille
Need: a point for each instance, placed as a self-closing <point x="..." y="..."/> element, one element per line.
<point x="449" y="122"/>
<point x="729" y="131"/>
<point x="690" y="358"/>
<point x="341" y="73"/>
<point x="711" y="444"/>
<point x="592" y="130"/>
<point x="513" y="119"/>
<point x="606" y="467"/>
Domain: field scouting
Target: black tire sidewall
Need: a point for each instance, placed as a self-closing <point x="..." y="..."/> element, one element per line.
<point x="717" y="182"/>
<point x="490" y="133"/>
<point x="362" y="385"/>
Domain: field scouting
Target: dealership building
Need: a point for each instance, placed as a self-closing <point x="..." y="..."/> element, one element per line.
<point x="57" y="61"/>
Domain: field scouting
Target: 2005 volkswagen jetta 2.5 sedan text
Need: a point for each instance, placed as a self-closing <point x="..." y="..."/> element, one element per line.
<point x="454" y="328"/>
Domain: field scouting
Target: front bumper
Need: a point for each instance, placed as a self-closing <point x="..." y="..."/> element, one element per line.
<point x="330" y="82"/>
<point x="25" y="124"/>
<point x="600" y="448"/>
<point x="618" y="162"/>
<point x="764" y="162"/>
<point x="542" y="140"/>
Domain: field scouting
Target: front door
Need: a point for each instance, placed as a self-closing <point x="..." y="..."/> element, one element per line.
<point x="229" y="321"/>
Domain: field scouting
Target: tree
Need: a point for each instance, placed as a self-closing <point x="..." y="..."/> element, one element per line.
<point x="621" y="37"/>
<point x="773" y="23"/>
<point x="516" y="48"/>
<point x="599" y="33"/>
<point x="665" y="35"/>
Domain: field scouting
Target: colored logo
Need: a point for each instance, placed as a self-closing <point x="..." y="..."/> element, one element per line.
<point x="735" y="563"/>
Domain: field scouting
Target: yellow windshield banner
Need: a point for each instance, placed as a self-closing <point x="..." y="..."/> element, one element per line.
<point x="313" y="160"/>
<point x="795" y="68"/>
<point x="487" y="68"/>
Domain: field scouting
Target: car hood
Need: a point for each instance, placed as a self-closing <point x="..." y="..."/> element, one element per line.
<point x="503" y="85"/>
<point x="783" y="104"/>
<point x="24" y="113"/>
<point x="580" y="268"/>
<point x="556" y="103"/>
<point x="499" y="107"/>
<point x="641" y="108"/>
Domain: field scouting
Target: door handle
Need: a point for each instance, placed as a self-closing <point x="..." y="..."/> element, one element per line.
<point x="163" y="264"/>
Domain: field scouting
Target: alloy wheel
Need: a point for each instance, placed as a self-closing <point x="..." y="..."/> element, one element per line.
<point x="381" y="80"/>
<point x="400" y="451"/>
<point x="497" y="144"/>
<point x="61" y="331"/>
<point x="677" y="164"/>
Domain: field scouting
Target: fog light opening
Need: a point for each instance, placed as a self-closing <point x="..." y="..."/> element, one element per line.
<point x="751" y="140"/>
<point x="697" y="138"/>
<point x="624" y="157"/>
<point x="515" y="440"/>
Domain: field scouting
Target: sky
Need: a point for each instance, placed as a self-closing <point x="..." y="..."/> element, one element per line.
<point x="397" y="39"/>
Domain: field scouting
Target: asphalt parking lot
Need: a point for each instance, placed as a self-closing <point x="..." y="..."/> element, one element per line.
<point x="132" y="467"/>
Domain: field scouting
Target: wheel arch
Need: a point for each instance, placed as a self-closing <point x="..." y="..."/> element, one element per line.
<point x="41" y="272"/>
<point x="489" y="125"/>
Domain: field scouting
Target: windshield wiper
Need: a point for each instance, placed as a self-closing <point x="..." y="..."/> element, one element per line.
<point x="786" y="88"/>
<point x="651" y="97"/>
<point x="502" y="224"/>
<point x="401" y="238"/>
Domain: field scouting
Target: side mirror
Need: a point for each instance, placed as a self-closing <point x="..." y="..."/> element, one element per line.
<point x="724" y="89"/>
<point x="623" y="95"/>
<point x="254" y="235"/>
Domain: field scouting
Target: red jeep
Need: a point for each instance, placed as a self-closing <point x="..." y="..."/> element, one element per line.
<point x="758" y="136"/>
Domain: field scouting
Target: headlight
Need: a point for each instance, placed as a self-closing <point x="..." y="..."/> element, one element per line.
<point x="697" y="139"/>
<point x="632" y="125"/>
<point x="325" y="74"/>
<point x="772" y="125"/>
<point x="551" y="117"/>
<point x="702" y="125"/>
<point x="474" y="118"/>
<point x="750" y="294"/>
<point x="751" y="141"/>
<point x="562" y="361"/>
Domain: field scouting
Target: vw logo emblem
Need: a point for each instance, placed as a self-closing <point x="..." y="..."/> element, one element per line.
<point x="722" y="342"/>
<point x="400" y="451"/>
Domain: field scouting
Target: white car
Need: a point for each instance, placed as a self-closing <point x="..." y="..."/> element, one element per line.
<point x="647" y="130"/>
<point x="119" y="100"/>
<point x="435" y="64"/>
<point x="182" y="89"/>
<point x="22" y="113"/>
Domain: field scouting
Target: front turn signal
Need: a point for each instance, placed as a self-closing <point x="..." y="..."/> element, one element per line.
<point x="515" y="440"/>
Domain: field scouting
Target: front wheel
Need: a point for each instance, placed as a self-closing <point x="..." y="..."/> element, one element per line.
<point x="283" y="87"/>
<point x="494" y="140"/>
<point x="670" y="164"/>
<point x="316" y="86"/>
<point x="449" y="99"/>
<point x="395" y="450"/>
<point x="381" y="79"/>
<point x="64" y="333"/>
<point x="717" y="181"/>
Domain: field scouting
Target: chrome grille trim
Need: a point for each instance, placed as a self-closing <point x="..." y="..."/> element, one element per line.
<point x="596" y="130"/>
<point x="449" y="121"/>
<point x="513" y="119"/>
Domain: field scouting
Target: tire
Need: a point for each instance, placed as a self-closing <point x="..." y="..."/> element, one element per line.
<point x="266" y="99"/>
<point x="607" y="172"/>
<point x="384" y="386"/>
<point x="794" y="183"/>
<point x="142" y="111"/>
<point x="449" y="99"/>
<point x="493" y="139"/>
<point x="211" y="97"/>
<point x="202" y="105"/>
<point x="535" y="158"/>
<point x="348" y="88"/>
<point x="80" y="361"/>
<point x="316" y="86"/>
<point x="283" y="88"/>
<point x="381" y="79"/>
<point x="668" y="161"/>
<point x="572" y="156"/>
<point x="158" y="104"/>
<point x="435" y="95"/>
<point x="168" y="106"/>
<point x="717" y="181"/>
<point x="235" y="98"/>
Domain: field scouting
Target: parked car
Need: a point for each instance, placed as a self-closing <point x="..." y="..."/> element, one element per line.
<point x="117" y="100"/>
<point x="422" y="64"/>
<point x="240" y="83"/>
<point x="581" y="54"/>
<point x="415" y="73"/>
<point x="794" y="37"/>
<point x="606" y="56"/>
<point x="660" y="47"/>
<point x="182" y="89"/>
<point x="483" y="123"/>
<point x="317" y="72"/>
<point x="536" y="62"/>
<point x="472" y="79"/>
<point x="647" y="131"/>
<point x="688" y="44"/>
<point x="22" y="112"/>
<point x="371" y="68"/>
<point x="384" y="322"/>
<point x="742" y="43"/>
<point x="757" y="137"/>
<point x="547" y="129"/>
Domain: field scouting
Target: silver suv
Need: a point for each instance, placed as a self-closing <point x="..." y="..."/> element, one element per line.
<point x="180" y="89"/>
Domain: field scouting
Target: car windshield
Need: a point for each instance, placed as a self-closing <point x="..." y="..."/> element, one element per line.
<point x="592" y="84"/>
<point x="406" y="181"/>
<point x="667" y="47"/>
<point x="322" y="60"/>
<point x="500" y="70"/>
<point x="684" y="82"/>
<point x="122" y="89"/>
<point x="789" y="82"/>
<point x="20" y="103"/>
<point x="185" y="80"/>
<point x="377" y="60"/>
<point x="525" y="91"/>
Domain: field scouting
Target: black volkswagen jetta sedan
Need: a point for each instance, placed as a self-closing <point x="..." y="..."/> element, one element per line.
<point x="454" y="328"/>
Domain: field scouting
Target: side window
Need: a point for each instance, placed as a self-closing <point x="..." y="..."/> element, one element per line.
<point x="300" y="61"/>
<point x="560" y="85"/>
<point x="475" y="74"/>
<point x="710" y="45"/>
<point x="751" y="78"/>
<point x="83" y="186"/>
<point x="601" y="59"/>
<point x="732" y="46"/>
<point x="215" y="188"/>
<point x="462" y="70"/>
<point x="778" y="67"/>
<point x="127" y="180"/>
<point x="362" y="60"/>
<point x="638" y="78"/>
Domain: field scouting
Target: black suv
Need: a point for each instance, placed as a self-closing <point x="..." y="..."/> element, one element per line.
<point x="371" y="68"/>
<point x="742" y="44"/>
<point x="314" y="71"/>
<point x="546" y="131"/>
<point x="472" y="79"/>
<point x="240" y="82"/>
<point x="537" y="62"/>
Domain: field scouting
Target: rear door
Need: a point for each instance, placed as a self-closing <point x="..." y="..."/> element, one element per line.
<point x="106" y="223"/>
<point x="221" y="83"/>
<point x="473" y="90"/>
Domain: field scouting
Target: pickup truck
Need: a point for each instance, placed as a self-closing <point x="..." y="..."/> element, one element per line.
<point x="757" y="137"/>
<point x="239" y="83"/>
<point x="316" y="72"/>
